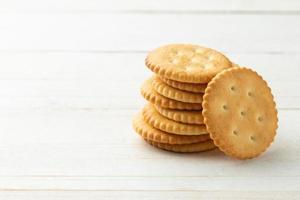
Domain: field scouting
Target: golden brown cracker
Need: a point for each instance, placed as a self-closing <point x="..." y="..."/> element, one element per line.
<point x="175" y="94"/>
<point x="156" y="120"/>
<point x="240" y="113"/>
<point x="183" y="116"/>
<point x="152" y="134"/>
<point x="151" y="95"/>
<point x="185" y="148"/>
<point x="186" y="62"/>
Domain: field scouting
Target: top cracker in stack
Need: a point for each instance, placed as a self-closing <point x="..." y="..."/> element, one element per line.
<point x="239" y="113"/>
<point x="186" y="63"/>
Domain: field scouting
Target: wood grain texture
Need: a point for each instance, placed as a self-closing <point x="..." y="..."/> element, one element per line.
<point x="154" y="5"/>
<point x="148" y="184"/>
<point x="99" y="80"/>
<point x="91" y="143"/>
<point x="168" y="195"/>
<point x="139" y="32"/>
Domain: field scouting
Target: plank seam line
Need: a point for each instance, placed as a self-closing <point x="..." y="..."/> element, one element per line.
<point x="128" y="51"/>
<point x="133" y="176"/>
<point x="131" y="190"/>
<point x="156" y="12"/>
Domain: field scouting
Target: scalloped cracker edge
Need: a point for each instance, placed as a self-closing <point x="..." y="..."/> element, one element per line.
<point x="188" y="117"/>
<point x="152" y="134"/>
<point x="152" y="96"/>
<point x="189" y="87"/>
<point x="185" y="148"/>
<point x="156" y="120"/>
<point x="175" y="94"/>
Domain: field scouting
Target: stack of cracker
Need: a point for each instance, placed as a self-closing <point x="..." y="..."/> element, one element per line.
<point x="200" y="100"/>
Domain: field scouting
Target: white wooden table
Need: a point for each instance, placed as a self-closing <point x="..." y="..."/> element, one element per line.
<point x="70" y="72"/>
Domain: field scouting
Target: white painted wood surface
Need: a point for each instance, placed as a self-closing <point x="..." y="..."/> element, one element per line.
<point x="70" y="73"/>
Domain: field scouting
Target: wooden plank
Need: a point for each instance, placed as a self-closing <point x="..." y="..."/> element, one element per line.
<point x="151" y="183"/>
<point x="67" y="81"/>
<point x="141" y="32"/>
<point x="103" y="144"/>
<point x="95" y="95"/>
<point x="137" y="195"/>
<point x="124" y="66"/>
<point x="155" y="5"/>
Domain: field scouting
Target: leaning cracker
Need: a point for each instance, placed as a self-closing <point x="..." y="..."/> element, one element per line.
<point x="187" y="63"/>
<point x="189" y="87"/>
<point x="156" y="135"/>
<point x="240" y="113"/>
<point x="176" y="94"/>
<point x="183" y="116"/>
<point x="156" y="120"/>
<point x="185" y="148"/>
<point x="151" y="95"/>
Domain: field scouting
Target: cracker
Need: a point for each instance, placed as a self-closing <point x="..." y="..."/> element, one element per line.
<point x="185" y="148"/>
<point x="151" y="95"/>
<point x="183" y="116"/>
<point x="189" y="87"/>
<point x="240" y="113"/>
<point x="186" y="63"/>
<point x="156" y="135"/>
<point x="156" y="120"/>
<point x="176" y="94"/>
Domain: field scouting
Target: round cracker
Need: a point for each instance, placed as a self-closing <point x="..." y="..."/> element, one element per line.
<point x="185" y="148"/>
<point x="151" y="95"/>
<point x="187" y="63"/>
<point x="156" y="120"/>
<point x="240" y="113"/>
<point x="152" y="134"/>
<point x="175" y="94"/>
<point x="189" y="87"/>
<point x="183" y="116"/>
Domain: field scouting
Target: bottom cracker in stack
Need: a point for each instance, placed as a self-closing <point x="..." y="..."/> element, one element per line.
<point x="169" y="141"/>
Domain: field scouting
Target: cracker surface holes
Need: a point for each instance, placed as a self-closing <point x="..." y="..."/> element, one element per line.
<point x="232" y="88"/>
<point x="235" y="132"/>
<point x="250" y="94"/>
<point x="192" y="63"/>
<point x="243" y="113"/>
<point x="252" y="138"/>
<point x="260" y="118"/>
<point x="225" y="107"/>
